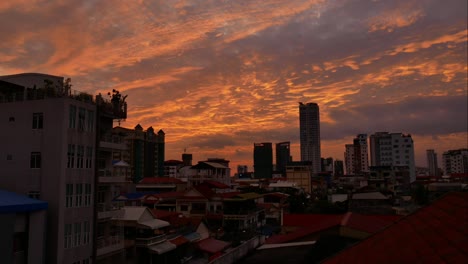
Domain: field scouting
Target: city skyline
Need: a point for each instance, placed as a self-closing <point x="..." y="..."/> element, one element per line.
<point x="219" y="76"/>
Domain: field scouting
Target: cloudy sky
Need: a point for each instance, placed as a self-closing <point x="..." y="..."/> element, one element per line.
<point x="219" y="75"/>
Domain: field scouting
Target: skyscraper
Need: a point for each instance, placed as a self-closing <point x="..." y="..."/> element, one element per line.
<point x="263" y="160"/>
<point x="283" y="156"/>
<point x="309" y="125"/>
<point x="432" y="162"/>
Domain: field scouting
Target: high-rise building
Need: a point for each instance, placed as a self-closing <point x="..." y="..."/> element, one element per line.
<point x="432" y="162"/>
<point x="187" y="159"/>
<point x="393" y="149"/>
<point x="242" y="169"/>
<point x="309" y="123"/>
<point x="356" y="157"/>
<point x="145" y="151"/>
<point x="455" y="161"/>
<point x="283" y="156"/>
<point x="263" y="160"/>
<point x="49" y="140"/>
<point x="338" y="168"/>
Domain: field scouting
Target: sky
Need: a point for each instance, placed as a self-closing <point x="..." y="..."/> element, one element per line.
<point x="219" y="75"/>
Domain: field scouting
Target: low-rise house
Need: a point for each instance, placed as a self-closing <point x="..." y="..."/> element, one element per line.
<point x="370" y="203"/>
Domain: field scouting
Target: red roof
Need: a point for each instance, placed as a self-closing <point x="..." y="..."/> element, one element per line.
<point x="205" y="190"/>
<point x="228" y="194"/>
<point x="437" y="233"/>
<point x="212" y="245"/>
<point x="216" y="184"/>
<point x="313" y="223"/>
<point x="160" y="180"/>
<point x="164" y="214"/>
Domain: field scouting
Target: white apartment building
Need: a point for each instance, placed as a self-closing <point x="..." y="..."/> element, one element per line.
<point x="47" y="151"/>
<point x="393" y="149"/>
<point x="349" y="159"/>
<point x="455" y="161"/>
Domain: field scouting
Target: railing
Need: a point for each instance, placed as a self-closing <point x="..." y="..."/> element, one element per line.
<point x="109" y="211"/>
<point x="109" y="244"/>
<point x="146" y="242"/>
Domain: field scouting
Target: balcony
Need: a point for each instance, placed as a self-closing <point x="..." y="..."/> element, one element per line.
<point x="109" y="244"/>
<point x="149" y="241"/>
<point x="106" y="176"/>
<point x="109" y="211"/>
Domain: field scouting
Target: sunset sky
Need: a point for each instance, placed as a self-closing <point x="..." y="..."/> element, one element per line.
<point x="219" y="75"/>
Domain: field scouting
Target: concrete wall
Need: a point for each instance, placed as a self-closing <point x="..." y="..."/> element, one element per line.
<point x="239" y="252"/>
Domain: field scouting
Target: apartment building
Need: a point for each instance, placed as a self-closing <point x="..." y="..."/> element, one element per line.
<point x="48" y="147"/>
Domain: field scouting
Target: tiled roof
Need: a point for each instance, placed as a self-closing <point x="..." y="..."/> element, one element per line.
<point x="314" y="223"/>
<point x="216" y="184"/>
<point x="180" y="240"/>
<point x="437" y="233"/>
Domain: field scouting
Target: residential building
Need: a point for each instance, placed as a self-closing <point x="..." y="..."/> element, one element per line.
<point x="23" y="228"/>
<point x="455" y="161"/>
<point x="432" y="162"/>
<point x="145" y="151"/>
<point x="214" y="169"/>
<point x="393" y="149"/>
<point x="49" y="141"/>
<point x="187" y="159"/>
<point x="300" y="173"/>
<point x="327" y="165"/>
<point x="338" y="168"/>
<point x="356" y="157"/>
<point x="171" y="168"/>
<point x="242" y="169"/>
<point x="309" y="126"/>
<point x="283" y="156"/>
<point x="263" y="160"/>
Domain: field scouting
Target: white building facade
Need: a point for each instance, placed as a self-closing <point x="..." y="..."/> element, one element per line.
<point x="455" y="161"/>
<point x="393" y="149"/>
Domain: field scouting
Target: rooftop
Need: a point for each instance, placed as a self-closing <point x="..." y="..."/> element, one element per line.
<point x="437" y="233"/>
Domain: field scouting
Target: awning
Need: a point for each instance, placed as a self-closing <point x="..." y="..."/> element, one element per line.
<point x="192" y="237"/>
<point x="121" y="163"/>
<point x="154" y="223"/>
<point x="162" y="248"/>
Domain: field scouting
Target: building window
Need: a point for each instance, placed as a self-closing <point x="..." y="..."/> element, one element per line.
<point x="69" y="195"/>
<point x="85" y="261"/>
<point x="184" y="208"/>
<point x="79" y="156"/>
<point x="35" y="162"/>
<point x="68" y="236"/>
<point x="72" y="117"/>
<point x="9" y="157"/>
<point x="87" y="199"/>
<point x="90" y="121"/>
<point x="38" y="120"/>
<point x="78" y="194"/>
<point x="81" y="119"/>
<point x="89" y="157"/>
<point x="77" y="234"/>
<point x="71" y="156"/>
<point x="11" y="119"/>
<point x="34" y="194"/>
<point x="86" y="232"/>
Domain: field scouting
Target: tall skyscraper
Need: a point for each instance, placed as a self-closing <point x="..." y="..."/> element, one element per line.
<point x="432" y="162"/>
<point x="338" y="167"/>
<point x="283" y="156"/>
<point x="309" y="125"/>
<point x="263" y="160"/>
<point x="393" y="149"/>
<point x="356" y="157"/>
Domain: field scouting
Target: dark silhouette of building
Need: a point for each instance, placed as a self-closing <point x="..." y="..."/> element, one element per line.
<point x="263" y="160"/>
<point x="187" y="159"/>
<point x="338" y="166"/>
<point x="283" y="156"/>
<point x="309" y="122"/>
